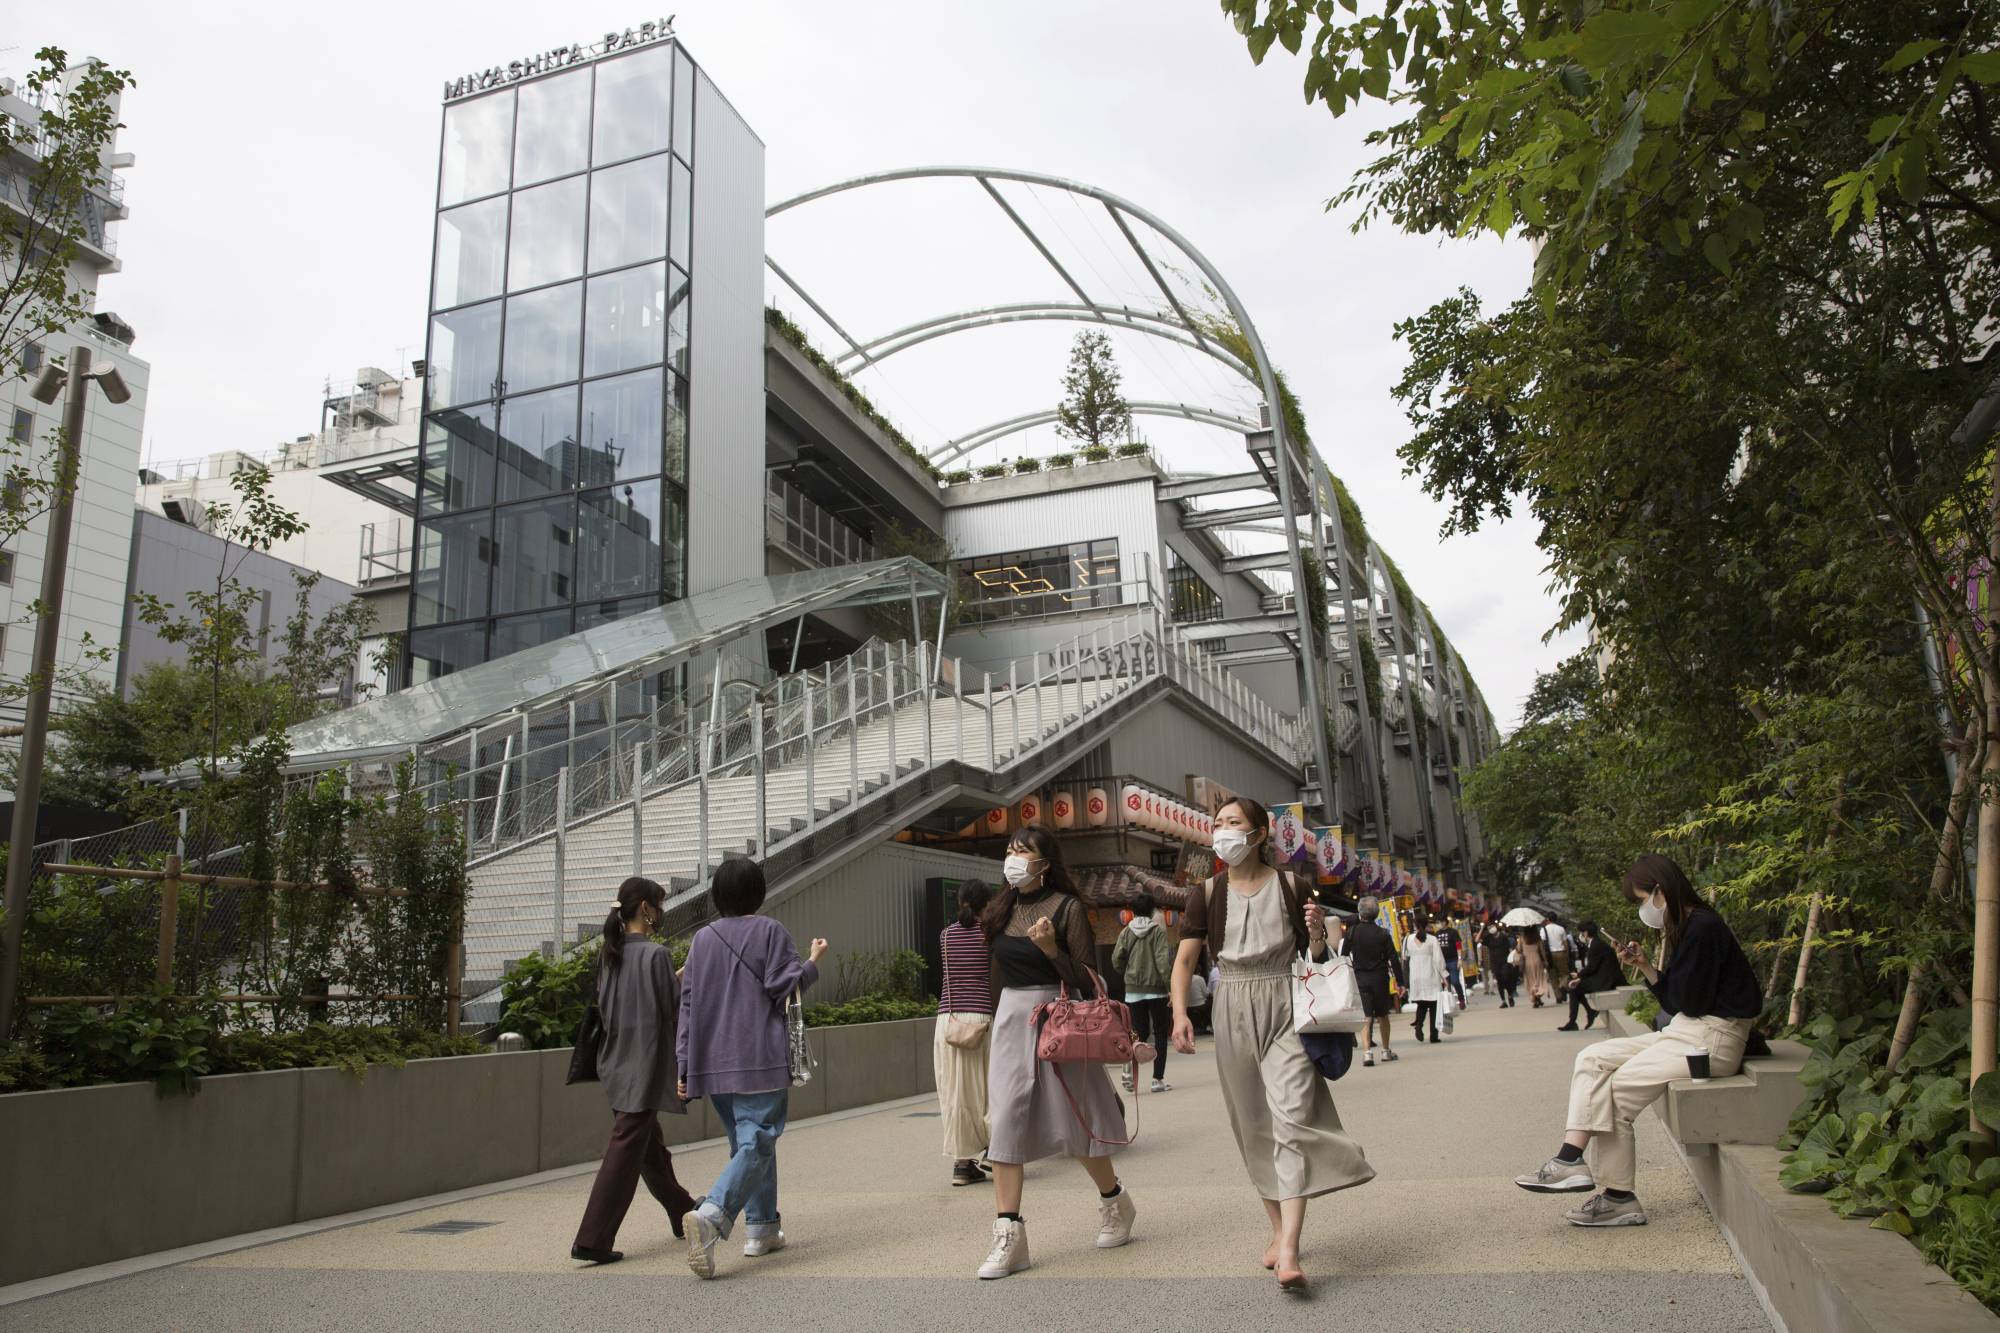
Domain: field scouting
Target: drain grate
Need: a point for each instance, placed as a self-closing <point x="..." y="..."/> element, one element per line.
<point x="449" y="1228"/>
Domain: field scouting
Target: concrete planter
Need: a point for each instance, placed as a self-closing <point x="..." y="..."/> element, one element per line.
<point x="98" y="1174"/>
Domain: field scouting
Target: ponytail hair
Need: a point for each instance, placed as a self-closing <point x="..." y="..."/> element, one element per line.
<point x="634" y="893"/>
<point x="973" y="895"/>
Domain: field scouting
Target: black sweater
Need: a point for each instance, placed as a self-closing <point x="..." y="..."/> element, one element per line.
<point x="1708" y="976"/>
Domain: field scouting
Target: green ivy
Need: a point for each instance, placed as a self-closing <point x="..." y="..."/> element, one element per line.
<point x="794" y="335"/>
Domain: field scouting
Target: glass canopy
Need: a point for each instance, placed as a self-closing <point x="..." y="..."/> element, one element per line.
<point x="639" y="645"/>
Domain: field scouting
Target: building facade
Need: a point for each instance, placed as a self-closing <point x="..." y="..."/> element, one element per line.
<point x="597" y="264"/>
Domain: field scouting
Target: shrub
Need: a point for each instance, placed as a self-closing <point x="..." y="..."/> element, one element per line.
<point x="543" y="998"/>
<point x="1643" y="1006"/>
<point x="896" y="975"/>
<point x="1061" y="460"/>
<point x="958" y="476"/>
<point x="1134" y="449"/>
<point x="1027" y="465"/>
<point x="993" y="470"/>
<point x="868" y="1009"/>
<point x="1096" y="453"/>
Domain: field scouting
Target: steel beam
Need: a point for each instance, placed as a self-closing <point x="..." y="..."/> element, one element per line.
<point x="1224" y="518"/>
<point x="1220" y="484"/>
<point x="999" y="430"/>
<point x="1243" y="564"/>
<point x="819" y="310"/>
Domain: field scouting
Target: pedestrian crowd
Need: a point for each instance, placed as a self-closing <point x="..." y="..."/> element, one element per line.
<point x="1026" y="1027"/>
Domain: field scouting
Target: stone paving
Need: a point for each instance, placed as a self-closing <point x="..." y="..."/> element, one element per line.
<point x="1441" y="1240"/>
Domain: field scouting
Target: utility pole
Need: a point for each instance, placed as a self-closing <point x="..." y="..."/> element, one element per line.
<point x="41" y="677"/>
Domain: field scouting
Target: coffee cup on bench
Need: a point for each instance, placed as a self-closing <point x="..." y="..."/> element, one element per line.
<point x="1698" y="1065"/>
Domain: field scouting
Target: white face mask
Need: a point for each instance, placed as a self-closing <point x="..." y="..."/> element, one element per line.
<point x="1018" y="869"/>
<point x="1232" y="845"/>
<point x="1653" y="914"/>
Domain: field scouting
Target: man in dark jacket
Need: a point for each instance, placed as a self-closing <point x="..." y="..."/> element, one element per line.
<point x="1373" y="953"/>
<point x="1597" y="971"/>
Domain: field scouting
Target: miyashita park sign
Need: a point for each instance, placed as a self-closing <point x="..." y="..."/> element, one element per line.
<point x="558" y="57"/>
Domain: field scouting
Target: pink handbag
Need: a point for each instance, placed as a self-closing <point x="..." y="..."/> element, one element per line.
<point x="1072" y="1031"/>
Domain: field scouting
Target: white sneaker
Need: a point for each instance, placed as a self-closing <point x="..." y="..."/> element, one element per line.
<point x="701" y="1238"/>
<point x="1114" y="1219"/>
<point x="1368" y="1057"/>
<point x="1010" y="1249"/>
<point x="1161" y="1085"/>
<point x="1556" y="1176"/>
<point x="753" y="1246"/>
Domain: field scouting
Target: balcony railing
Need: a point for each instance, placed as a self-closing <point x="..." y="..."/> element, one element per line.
<point x="797" y="524"/>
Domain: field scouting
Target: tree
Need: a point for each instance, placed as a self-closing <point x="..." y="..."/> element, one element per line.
<point x="1092" y="412"/>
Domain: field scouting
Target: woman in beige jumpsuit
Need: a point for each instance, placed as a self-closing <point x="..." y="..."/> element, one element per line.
<point x="1257" y="922"/>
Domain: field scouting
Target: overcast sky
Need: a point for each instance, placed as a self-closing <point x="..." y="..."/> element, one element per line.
<point x="287" y="158"/>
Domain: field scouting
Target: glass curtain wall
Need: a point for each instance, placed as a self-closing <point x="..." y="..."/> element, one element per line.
<point x="553" y="495"/>
<point x="1042" y="582"/>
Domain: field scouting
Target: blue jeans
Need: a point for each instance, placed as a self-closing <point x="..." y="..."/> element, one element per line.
<point x="1455" y="980"/>
<point x="752" y="1121"/>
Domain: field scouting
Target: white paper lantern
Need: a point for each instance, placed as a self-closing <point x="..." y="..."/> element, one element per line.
<point x="1062" y="806"/>
<point x="1031" y="811"/>
<point x="996" y="820"/>
<point x="1097" y="807"/>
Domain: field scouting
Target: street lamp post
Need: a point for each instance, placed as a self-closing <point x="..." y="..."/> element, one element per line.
<point x="48" y="624"/>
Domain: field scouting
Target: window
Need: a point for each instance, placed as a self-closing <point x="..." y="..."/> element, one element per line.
<point x="1189" y="596"/>
<point x="634" y="105"/>
<point x="453" y="557"/>
<point x="459" y="447"/>
<point x="626" y="316"/>
<point x="618" y="541"/>
<point x="682" y="216"/>
<point x="22" y="429"/>
<point x="465" y="355"/>
<point x="471" y="253"/>
<point x="31" y="358"/>
<point x="677" y="320"/>
<point x="6" y="569"/>
<point x="534" y="543"/>
<point x="1044" y="581"/>
<point x="628" y="213"/>
<point x="621" y="427"/>
<point x="544" y="337"/>
<point x="439" y="652"/>
<point x="478" y="147"/>
<point x="552" y="131"/>
<point x="537" y="444"/>
<point x="683" y="105"/>
<point x="546" y="242"/>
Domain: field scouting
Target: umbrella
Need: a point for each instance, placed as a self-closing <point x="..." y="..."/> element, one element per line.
<point x="1522" y="916"/>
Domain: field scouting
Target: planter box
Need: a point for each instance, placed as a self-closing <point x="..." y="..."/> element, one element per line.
<point x="99" y="1174"/>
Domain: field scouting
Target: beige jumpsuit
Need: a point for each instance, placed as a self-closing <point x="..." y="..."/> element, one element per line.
<point x="1280" y="1108"/>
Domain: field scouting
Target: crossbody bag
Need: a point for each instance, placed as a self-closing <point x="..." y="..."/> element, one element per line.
<point x="799" y="1059"/>
<point x="965" y="1032"/>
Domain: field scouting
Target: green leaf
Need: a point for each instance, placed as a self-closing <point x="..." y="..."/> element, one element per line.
<point x="1500" y="213"/>
<point x="1986" y="1100"/>
<point x="1883" y="127"/>
<point x="1375" y="81"/>
<point x="1912" y="171"/>
<point x="1896" y="1222"/>
<point x="1618" y="37"/>
<point x="1981" y="67"/>
<point x="1260" y="42"/>
<point x="1715" y="249"/>
<point x="1911" y="54"/>
<point x="1618" y="159"/>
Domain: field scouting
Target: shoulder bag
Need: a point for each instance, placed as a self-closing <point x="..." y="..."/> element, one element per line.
<point x="799" y="1059"/>
<point x="965" y="1032"/>
<point x="1084" y="1032"/>
<point x="589" y="1035"/>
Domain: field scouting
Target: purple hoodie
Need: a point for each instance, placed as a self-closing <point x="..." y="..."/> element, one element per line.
<point x="731" y="1037"/>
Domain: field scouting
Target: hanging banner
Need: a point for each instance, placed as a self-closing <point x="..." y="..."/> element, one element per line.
<point x="1288" y="836"/>
<point x="1332" y="858"/>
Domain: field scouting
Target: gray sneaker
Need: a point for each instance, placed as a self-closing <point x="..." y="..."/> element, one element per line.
<point x="1556" y="1176"/>
<point x="1602" y="1211"/>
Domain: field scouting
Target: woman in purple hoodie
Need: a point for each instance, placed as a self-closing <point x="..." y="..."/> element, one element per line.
<point x="731" y="1046"/>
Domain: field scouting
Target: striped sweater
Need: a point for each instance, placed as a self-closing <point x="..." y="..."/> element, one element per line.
<point x="966" y="989"/>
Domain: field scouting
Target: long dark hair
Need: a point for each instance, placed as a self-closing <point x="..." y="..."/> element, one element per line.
<point x="1044" y="845"/>
<point x="1653" y="871"/>
<point x="973" y="895"/>
<point x="1260" y="824"/>
<point x="632" y="894"/>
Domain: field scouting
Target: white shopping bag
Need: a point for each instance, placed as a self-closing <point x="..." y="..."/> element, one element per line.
<point x="1325" y="996"/>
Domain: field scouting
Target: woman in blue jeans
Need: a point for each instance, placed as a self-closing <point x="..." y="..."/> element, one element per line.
<point x="731" y="1046"/>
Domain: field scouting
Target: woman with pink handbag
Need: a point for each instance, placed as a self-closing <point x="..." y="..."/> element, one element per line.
<point x="1257" y="921"/>
<point x="1040" y="934"/>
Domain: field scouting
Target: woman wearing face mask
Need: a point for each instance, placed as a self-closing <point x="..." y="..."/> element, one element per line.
<point x="1039" y="932"/>
<point x="1258" y="921"/>
<point x="1708" y="987"/>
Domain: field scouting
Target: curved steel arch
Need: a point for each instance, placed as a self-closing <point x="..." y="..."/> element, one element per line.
<point x="1000" y="430"/>
<point x="1138" y="321"/>
<point x="1265" y="379"/>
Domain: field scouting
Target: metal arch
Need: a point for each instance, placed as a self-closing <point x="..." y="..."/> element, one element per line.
<point x="999" y="430"/>
<point x="1117" y="317"/>
<point x="1266" y="380"/>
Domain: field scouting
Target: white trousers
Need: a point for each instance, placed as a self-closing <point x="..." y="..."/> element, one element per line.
<point x="1615" y="1080"/>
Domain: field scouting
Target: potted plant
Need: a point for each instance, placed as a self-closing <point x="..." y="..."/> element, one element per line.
<point x="993" y="470"/>
<point x="1027" y="465"/>
<point x="1134" y="449"/>
<point x="1062" y="460"/>
<point x="1096" y="453"/>
<point x="958" y="476"/>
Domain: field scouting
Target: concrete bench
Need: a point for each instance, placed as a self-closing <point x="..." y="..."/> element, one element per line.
<point x="1752" y="1106"/>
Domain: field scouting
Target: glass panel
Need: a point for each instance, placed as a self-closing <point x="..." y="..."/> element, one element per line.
<point x="458" y="459"/>
<point x="547" y="239"/>
<point x="471" y="253"/>
<point x="537" y="444"/>
<point x="552" y="132"/>
<point x="603" y="613"/>
<point x="543" y="337"/>
<point x="465" y="354"/>
<point x="677" y="430"/>
<point x="683" y="212"/>
<point x="618" y="541"/>
<point x="531" y="565"/>
<point x="1044" y="581"/>
<point x="452" y="558"/>
<point x="621" y="428"/>
<point x="677" y="320"/>
<point x="633" y="96"/>
<point x="628" y="213"/>
<point x="517" y="632"/>
<point x="478" y="145"/>
<point x="683" y="104"/>
<point x="674" y="582"/>
<point x="626" y="314"/>
<point x="439" y="652"/>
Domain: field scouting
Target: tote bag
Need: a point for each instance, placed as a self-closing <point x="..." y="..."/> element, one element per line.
<point x="1325" y="996"/>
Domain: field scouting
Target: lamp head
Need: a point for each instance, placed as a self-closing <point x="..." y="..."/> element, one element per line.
<point x="50" y="386"/>
<point x="113" y="384"/>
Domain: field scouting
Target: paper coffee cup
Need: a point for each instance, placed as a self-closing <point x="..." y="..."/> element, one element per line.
<point x="1698" y="1065"/>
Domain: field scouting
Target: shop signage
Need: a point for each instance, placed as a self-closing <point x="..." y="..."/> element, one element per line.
<point x="558" y="57"/>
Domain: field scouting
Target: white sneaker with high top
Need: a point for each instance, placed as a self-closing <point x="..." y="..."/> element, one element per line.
<point x="1556" y="1176"/>
<point x="1010" y="1249"/>
<point x="753" y="1246"/>
<point x="1114" y="1219"/>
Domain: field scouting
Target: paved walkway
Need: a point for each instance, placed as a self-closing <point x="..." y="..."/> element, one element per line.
<point x="1441" y="1240"/>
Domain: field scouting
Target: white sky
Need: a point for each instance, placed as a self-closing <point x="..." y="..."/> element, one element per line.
<point x="287" y="158"/>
